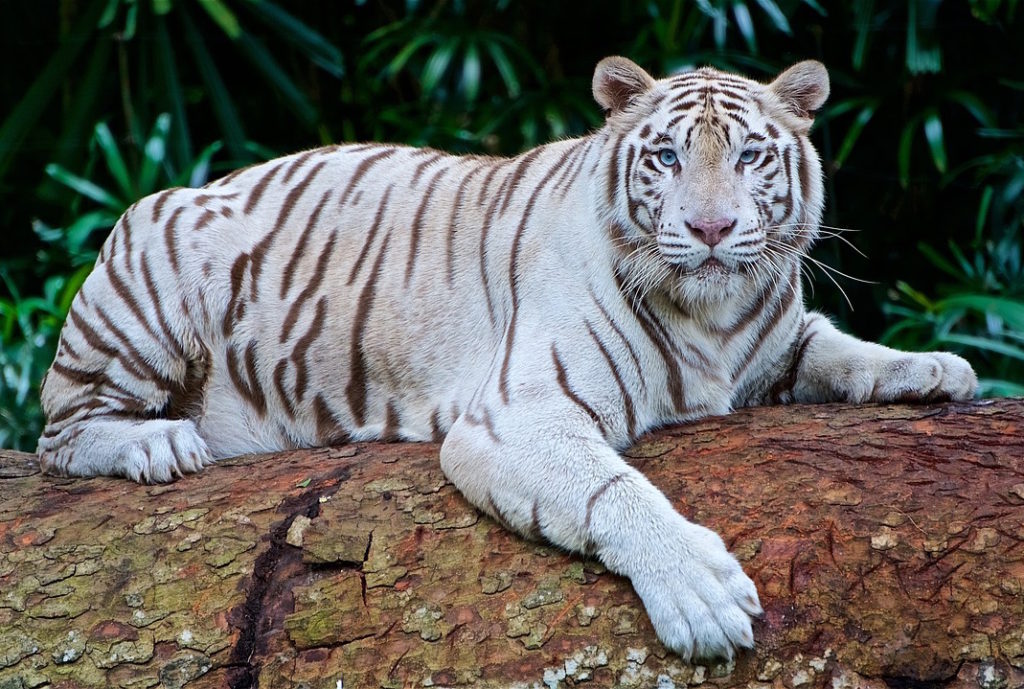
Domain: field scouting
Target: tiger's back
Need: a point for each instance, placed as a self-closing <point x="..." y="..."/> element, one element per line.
<point x="275" y="307"/>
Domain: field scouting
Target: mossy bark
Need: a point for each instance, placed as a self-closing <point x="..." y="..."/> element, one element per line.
<point x="887" y="543"/>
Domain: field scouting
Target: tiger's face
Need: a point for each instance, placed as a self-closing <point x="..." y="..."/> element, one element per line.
<point x="720" y="186"/>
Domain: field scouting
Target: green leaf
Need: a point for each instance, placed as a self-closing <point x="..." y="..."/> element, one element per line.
<point x="854" y="132"/>
<point x="294" y="96"/>
<point x="995" y="387"/>
<point x="223" y="16"/>
<point x="115" y="162"/>
<point x="924" y="54"/>
<point x="30" y="107"/>
<point x="776" y="15"/>
<point x="437" y="65"/>
<point x="109" y="14"/>
<point x="940" y="262"/>
<point x="936" y="141"/>
<point x="470" y="83"/>
<point x="154" y="153"/>
<point x="317" y="48"/>
<point x="1008" y="309"/>
<point x="505" y="68"/>
<point x="905" y="150"/>
<point x="223" y="107"/>
<point x="745" y="24"/>
<point x="180" y="143"/>
<point x="816" y="6"/>
<point x="984" y="343"/>
<point x="199" y="172"/>
<point x="86" y="188"/>
<point x="863" y="16"/>
<point x="974" y="105"/>
<point x="397" y="63"/>
<point x="78" y="232"/>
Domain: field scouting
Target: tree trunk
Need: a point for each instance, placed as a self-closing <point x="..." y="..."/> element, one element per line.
<point x="887" y="543"/>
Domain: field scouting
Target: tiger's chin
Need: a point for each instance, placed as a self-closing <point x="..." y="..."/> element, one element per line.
<point x="709" y="283"/>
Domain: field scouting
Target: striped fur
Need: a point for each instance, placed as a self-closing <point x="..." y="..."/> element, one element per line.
<point x="537" y="313"/>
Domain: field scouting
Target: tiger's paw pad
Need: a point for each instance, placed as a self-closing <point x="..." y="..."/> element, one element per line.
<point x="698" y="597"/>
<point x="166" y="451"/>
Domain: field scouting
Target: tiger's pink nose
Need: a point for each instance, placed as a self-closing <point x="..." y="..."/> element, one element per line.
<point x="711" y="231"/>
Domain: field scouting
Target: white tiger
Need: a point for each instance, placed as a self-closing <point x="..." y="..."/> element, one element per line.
<point x="537" y="313"/>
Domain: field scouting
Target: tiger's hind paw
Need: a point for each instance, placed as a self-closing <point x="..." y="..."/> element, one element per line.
<point x="154" y="451"/>
<point x="166" y="453"/>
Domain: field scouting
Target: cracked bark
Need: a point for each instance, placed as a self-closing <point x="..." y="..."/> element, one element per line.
<point x="887" y="544"/>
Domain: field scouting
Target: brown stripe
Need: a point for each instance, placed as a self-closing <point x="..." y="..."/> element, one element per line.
<point x="259" y="252"/>
<point x="125" y="294"/>
<point x="155" y="300"/>
<point x="596" y="495"/>
<point x="227" y="179"/>
<point x="417" y="223"/>
<point x="172" y="225"/>
<point x="627" y="399"/>
<point x="298" y="162"/>
<point x="368" y="242"/>
<point x="513" y="269"/>
<point x="141" y="364"/>
<point x="675" y="380"/>
<point x="612" y="184"/>
<point x="498" y="515"/>
<point x="249" y="388"/>
<point x="158" y="206"/>
<point x="453" y="223"/>
<point x="300" y="247"/>
<point x="314" y="284"/>
<point x="536" y="532"/>
<point x="205" y="219"/>
<point x="436" y="434"/>
<point x="625" y="340"/>
<point x="563" y="383"/>
<point x="362" y="168"/>
<point x="517" y="175"/>
<point x="236" y="307"/>
<point x="286" y="399"/>
<point x="391" y="422"/>
<point x="419" y="169"/>
<point x="328" y="430"/>
<point x="316" y="327"/>
<point x="126" y="232"/>
<point x="261" y="186"/>
<point x="785" y="301"/>
<point x="356" y="391"/>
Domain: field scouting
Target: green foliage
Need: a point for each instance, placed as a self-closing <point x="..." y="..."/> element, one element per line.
<point x="30" y="325"/>
<point x="922" y="138"/>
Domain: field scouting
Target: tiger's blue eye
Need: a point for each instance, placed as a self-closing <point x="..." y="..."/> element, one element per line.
<point x="667" y="157"/>
<point x="748" y="156"/>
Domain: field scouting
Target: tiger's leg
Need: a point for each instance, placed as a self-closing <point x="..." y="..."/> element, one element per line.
<point x="541" y="467"/>
<point x="832" y="366"/>
<point x="127" y="377"/>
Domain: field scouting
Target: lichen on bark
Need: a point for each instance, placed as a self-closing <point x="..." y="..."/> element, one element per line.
<point x="887" y="543"/>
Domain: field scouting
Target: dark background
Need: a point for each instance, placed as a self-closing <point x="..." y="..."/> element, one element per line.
<point x="104" y="101"/>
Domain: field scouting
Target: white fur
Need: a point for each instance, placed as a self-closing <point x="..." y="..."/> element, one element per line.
<point x="588" y="318"/>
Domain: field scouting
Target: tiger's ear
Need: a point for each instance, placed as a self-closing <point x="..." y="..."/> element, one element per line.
<point x="617" y="81"/>
<point x="803" y="87"/>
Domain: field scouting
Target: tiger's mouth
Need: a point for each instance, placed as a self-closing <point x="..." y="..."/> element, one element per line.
<point x="710" y="267"/>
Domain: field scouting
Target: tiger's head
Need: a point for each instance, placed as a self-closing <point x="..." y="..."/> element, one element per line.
<point x="711" y="182"/>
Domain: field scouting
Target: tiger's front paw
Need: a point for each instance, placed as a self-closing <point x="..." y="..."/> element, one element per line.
<point x="696" y="594"/>
<point x="931" y="377"/>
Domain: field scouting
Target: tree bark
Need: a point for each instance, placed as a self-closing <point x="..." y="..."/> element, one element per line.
<point x="887" y="543"/>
